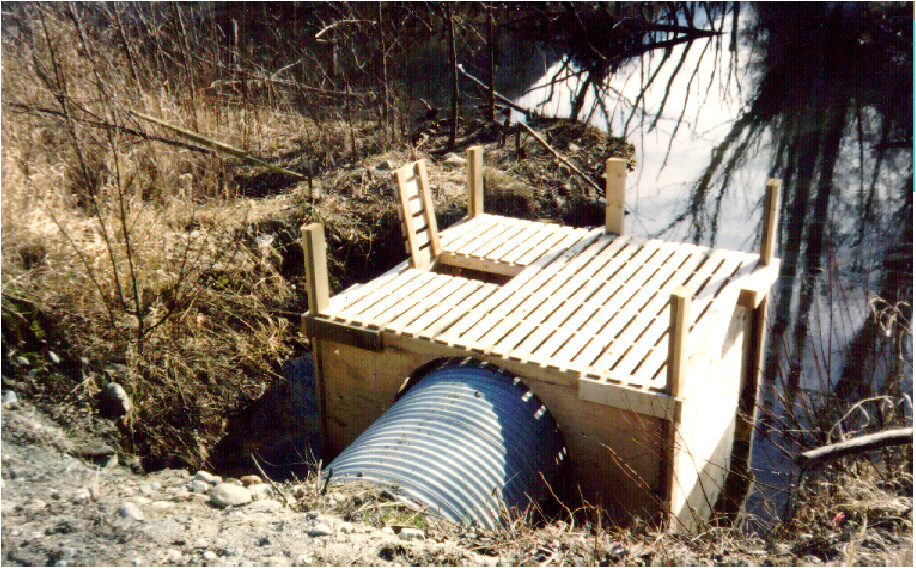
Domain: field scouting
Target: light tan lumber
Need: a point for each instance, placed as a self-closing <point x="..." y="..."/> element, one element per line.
<point x="475" y="181"/>
<point x="532" y="334"/>
<point x="429" y="210"/>
<point x="493" y="229"/>
<point x="416" y="303"/>
<point x="483" y="265"/>
<point x="639" y="401"/>
<point x="457" y="314"/>
<point x="615" y="195"/>
<point x="508" y="233"/>
<point x="401" y="297"/>
<point x="545" y="247"/>
<point x="407" y="178"/>
<point x="755" y="286"/>
<point x="316" y="266"/>
<point x="770" y="221"/>
<point x="436" y="312"/>
<point x="541" y="238"/>
<point x="359" y="291"/>
<point x="457" y="235"/>
<point x="677" y="339"/>
<point x="353" y="311"/>
<point x="519" y="241"/>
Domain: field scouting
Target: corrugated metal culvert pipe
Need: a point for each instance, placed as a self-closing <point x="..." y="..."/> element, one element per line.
<point x="468" y="441"/>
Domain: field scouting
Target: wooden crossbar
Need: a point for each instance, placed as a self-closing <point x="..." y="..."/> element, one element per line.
<point x="418" y="215"/>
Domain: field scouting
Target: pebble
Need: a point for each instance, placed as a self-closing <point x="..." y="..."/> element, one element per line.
<point x="320" y="530"/>
<point x="146" y="489"/>
<point x="198" y="486"/>
<point x="22" y="360"/>
<point x="53" y="357"/>
<point x="225" y="495"/>
<point x="260" y="490"/>
<point x="411" y="533"/>
<point x="162" y="505"/>
<point x="264" y="506"/>
<point x="131" y="511"/>
<point x="172" y="555"/>
<point x="210" y="555"/>
<point x="250" y="480"/>
<point x="80" y="496"/>
<point x="207" y="477"/>
<point x="140" y="500"/>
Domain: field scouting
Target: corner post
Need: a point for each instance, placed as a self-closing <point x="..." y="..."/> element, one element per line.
<point x="770" y="221"/>
<point x="615" y="194"/>
<point x="678" y="327"/>
<point x="316" y="266"/>
<point x="475" y="181"/>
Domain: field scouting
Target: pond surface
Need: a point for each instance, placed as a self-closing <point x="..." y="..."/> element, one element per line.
<point x="811" y="103"/>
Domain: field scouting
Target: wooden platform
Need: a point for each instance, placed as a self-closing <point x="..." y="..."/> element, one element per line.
<point x="647" y="353"/>
<point x="581" y="300"/>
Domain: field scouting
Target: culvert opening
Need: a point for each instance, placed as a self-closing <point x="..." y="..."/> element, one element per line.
<point x="467" y="442"/>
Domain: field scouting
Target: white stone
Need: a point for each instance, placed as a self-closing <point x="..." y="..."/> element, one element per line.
<point x="210" y="555"/>
<point x="209" y="478"/>
<point x="225" y="495"/>
<point x="161" y="505"/>
<point x="9" y="397"/>
<point x="198" y="486"/>
<point x="264" y="506"/>
<point x="260" y="490"/>
<point x="54" y="358"/>
<point x="320" y="530"/>
<point x="172" y="555"/>
<point x="155" y="486"/>
<point x="411" y="533"/>
<point x="146" y="489"/>
<point x="80" y="496"/>
<point x="140" y="500"/>
<point x="346" y="528"/>
<point x="131" y="511"/>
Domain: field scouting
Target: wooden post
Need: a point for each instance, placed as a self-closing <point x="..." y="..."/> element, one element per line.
<point x="770" y="220"/>
<point x="615" y="194"/>
<point x="316" y="266"/>
<point x="678" y="327"/>
<point x="475" y="181"/>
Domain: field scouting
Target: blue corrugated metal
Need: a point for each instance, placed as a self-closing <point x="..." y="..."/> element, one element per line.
<point x="468" y="442"/>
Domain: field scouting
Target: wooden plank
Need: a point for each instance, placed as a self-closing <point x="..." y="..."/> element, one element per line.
<point x="455" y="237"/>
<point x="398" y="297"/>
<point x="527" y="279"/>
<point x="533" y="333"/>
<point x="498" y="233"/>
<point x="588" y="301"/>
<point x="358" y="291"/>
<point x="316" y="267"/>
<point x="617" y="396"/>
<point x="537" y="306"/>
<point x="615" y="195"/>
<point x="406" y="179"/>
<point x="602" y="306"/>
<point x="509" y="300"/>
<point x="755" y="286"/>
<point x="510" y="230"/>
<point x="483" y="265"/>
<point x="475" y="181"/>
<point x="635" y="316"/>
<point x="542" y="238"/>
<point x="348" y="334"/>
<point x="518" y="242"/>
<point x="770" y="221"/>
<point x="545" y="247"/>
<point x="679" y="305"/>
<point x="385" y="289"/>
<point x="440" y="288"/>
<point x="653" y="334"/>
<point x="436" y="312"/>
<point x="429" y="210"/>
<point x="457" y="313"/>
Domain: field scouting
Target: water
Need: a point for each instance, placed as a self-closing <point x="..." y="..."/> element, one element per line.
<point x="839" y="217"/>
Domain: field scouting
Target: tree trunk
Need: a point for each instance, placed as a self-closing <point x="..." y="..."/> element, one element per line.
<point x="453" y="56"/>
<point x="491" y="44"/>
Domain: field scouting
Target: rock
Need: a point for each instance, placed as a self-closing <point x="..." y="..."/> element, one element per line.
<point x="155" y="486"/>
<point x="146" y="489"/>
<point x="53" y="357"/>
<point x="80" y="496"/>
<point x="260" y="490"/>
<point x="209" y="555"/>
<point x="113" y="401"/>
<point x="22" y="360"/>
<point x="207" y="477"/>
<point x="573" y="148"/>
<point x="9" y="397"/>
<point x="264" y="506"/>
<point x="141" y="500"/>
<point x="226" y="495"/>
<point x="320" y="530"/>
<point x="250" y="480"/>
<point x="172" y="555"/>
<point x="181" y="495"/>
<point x="411" y="533"/>
<point x="198" y="486"/>
<point x="347" y="528"/>
<point x="131" y="511"/>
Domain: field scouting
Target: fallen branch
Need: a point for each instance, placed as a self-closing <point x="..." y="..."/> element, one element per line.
<point x="502" y="99"/>
<point x="220" y="146"/>
<point x="858" y="445"/>
<point x="574" y="169"/>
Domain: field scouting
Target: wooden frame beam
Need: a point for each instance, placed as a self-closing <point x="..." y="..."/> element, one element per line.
<point x="770" y="221"/>
<point x="475" y="181"/>
<point x="615" y="195"/>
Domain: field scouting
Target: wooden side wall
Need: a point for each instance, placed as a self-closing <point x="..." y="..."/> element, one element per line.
<point x="704" y="438"/>
<point x="614" y="454"/>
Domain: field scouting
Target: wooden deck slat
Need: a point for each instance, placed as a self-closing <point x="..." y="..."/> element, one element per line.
<point x="455" y="237"/>
<point x="527" y="338"/>
<point x="447" y="303"/>
<point x="545" y="246"/>
<point x="358" y="291"/>
<point x="518" y="241"/>
<point x="631" y="320"/>
<point x="376" y="294"/>
<point x="471" y="242"/>
<point x="543" y="233"/>
<point x="455" y="315"/>
<point x="538" y="306"/>
<point x="415" y="304"/>
<point x="608" y="300"/>
<point x="403" y="295"/>
<point x="527" y="279"/>
<point x="497" y="235"/>
<point x="551" y="278"/>
<point x="507" y="236"/>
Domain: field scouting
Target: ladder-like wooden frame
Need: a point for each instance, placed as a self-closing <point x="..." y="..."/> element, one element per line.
<point x="418" y="216"/>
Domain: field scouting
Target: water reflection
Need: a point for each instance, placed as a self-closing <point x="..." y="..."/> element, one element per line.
<point x="818" y="94"/>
